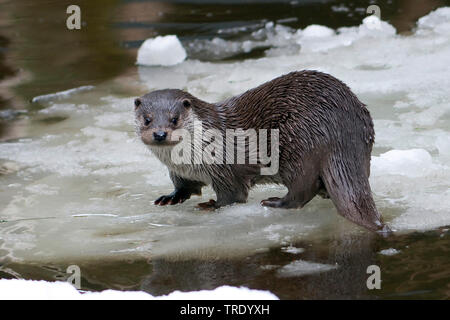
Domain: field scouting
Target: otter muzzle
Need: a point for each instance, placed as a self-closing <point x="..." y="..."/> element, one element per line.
<point x="159" y="136"/>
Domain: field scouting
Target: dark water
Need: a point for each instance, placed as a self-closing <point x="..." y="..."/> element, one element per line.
<point x="38" y="55"/>
<point x="49" y="58"/>
<point x="421" y="270"/>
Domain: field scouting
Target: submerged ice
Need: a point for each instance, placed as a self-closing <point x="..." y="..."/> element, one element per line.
<point x="83" y="187"/>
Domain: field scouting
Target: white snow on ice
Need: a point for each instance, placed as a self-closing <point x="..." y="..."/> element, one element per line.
<point x="161" y="51"/>
<point x="410" y="163"/>
<point x="43" y="290"/>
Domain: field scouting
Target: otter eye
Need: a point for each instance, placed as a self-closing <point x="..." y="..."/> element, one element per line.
<point x="147" y="121"/>
<point x="174" y="121"/>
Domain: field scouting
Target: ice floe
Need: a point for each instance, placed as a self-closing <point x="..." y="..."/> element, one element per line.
<point x="61" y="94"/>
<point x="389" y="252"/>
<point x="299" y="268"/>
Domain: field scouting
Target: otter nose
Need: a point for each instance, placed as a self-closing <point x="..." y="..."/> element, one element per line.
<point x="160" y="135"/>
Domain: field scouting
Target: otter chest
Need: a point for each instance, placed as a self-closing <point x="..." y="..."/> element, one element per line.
<point x="195" y="172"/>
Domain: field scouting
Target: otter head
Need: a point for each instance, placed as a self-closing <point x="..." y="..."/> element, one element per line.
<point x="160" y="113"/>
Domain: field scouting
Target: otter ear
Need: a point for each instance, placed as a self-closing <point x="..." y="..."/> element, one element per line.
<point x="186" y="103"/>
<point x="137" y="103"/>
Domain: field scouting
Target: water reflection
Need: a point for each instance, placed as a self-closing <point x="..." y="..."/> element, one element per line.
<point x="12" y="124"/>
<point x="352" y="255"/>
<point x="421" y="270"/>
<point x="58" y="58"/>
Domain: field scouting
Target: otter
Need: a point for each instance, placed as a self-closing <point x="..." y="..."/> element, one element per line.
<point x="325" y="132"/>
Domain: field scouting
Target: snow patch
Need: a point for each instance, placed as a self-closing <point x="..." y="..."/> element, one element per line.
<point x="161" y="51"/>
<point x="317" y="31"/>
<point x="43" y="290"/>
<point x="437" y="21"/>
<point x="411" y="163"/>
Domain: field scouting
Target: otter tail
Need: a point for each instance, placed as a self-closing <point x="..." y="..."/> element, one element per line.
<point x="348" y="187"/>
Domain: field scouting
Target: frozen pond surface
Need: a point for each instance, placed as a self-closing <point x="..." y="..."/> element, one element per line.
<point x="80" y="187"/>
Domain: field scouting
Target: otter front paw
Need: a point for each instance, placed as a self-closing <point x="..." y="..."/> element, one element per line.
<point x="178" y="196"/>
<point x="210" y="205"/>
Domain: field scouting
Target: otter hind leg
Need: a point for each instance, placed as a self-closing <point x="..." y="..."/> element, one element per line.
<point x="300" y="192"/>
<point x="349" y="189"/>
<point x="228" y="192"/>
